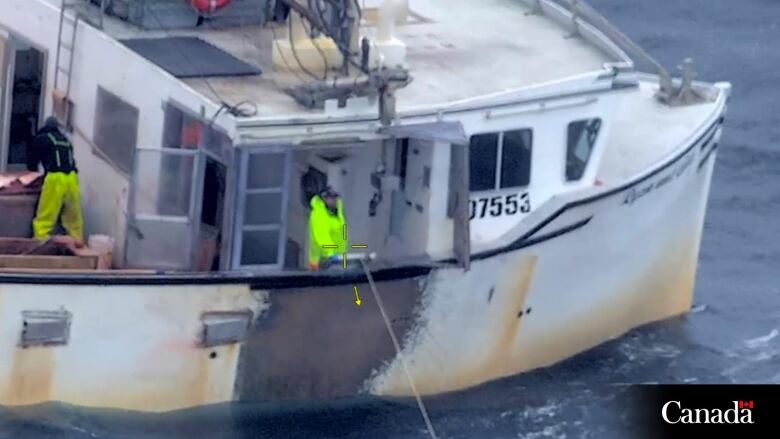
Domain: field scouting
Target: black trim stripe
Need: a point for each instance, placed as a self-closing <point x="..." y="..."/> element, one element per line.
<point x="256" y="282"/>
<point x="707" y="155"/>
<point x="523" y="243"/>
<point x="306" y="279"/>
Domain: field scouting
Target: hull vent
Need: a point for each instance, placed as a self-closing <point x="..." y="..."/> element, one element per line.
<point x="45" y="328"/>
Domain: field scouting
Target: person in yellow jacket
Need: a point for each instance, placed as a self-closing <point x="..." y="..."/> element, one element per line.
<point x="326" y="229"/>
<point x="60" y="193"/>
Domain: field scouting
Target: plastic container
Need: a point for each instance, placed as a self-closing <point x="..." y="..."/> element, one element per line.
<point x="103" y="246"/>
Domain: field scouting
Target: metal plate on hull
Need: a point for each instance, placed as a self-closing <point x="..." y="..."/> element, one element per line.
<point x="45" y="328"/>
<point x="315" y="343"/>
<point x="221" y="328"/>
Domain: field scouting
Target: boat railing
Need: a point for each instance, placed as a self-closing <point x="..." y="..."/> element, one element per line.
<point x="582" y="12"/>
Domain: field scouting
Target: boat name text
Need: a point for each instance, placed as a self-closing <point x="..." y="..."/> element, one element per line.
<point x="634" y="194"/>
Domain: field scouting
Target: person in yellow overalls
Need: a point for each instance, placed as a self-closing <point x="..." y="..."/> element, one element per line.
<point x="327" y="235"/>
<point x="60" y="193"/>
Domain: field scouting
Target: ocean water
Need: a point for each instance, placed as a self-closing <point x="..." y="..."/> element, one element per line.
<point x="731" y="336"/>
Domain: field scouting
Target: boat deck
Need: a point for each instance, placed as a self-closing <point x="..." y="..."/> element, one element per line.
<point x="457" y="50"/>
<point x="634" y="147"/>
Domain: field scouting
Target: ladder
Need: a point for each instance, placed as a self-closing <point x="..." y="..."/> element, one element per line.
<point x="66" y="50"/>
<point x="66" y="44"/>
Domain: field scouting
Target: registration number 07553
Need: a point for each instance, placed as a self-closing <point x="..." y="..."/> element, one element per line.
<point x="499" y="205"/>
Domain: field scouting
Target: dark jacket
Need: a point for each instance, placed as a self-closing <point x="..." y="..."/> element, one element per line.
<point x="51" y="148"/>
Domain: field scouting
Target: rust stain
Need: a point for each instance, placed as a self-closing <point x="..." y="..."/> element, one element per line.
<point x="510" y="322"/>
<point x="213" y="372"/>
<point x="31" y="376"/>
<point x="511" y="294"/>
<point x="200" y="380"/>
<point x="663" y="291"/>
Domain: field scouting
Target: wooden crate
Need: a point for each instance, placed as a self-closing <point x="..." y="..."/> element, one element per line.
<point x="18" y="253"/>
<point x="48" y="262"/>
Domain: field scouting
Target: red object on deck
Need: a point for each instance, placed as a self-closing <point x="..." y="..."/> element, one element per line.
<point x="206" y="7"/>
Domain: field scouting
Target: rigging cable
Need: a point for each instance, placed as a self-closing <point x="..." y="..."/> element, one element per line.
<point x="295" y="52"/>
<point x="183" y="54"/>
<point x="314" y="41"/>
<point x="233" y="109"/>
<point x="397" y="346"/>
<point x="284" y="58"/>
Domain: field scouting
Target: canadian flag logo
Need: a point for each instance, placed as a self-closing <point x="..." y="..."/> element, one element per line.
<point x="746" y="404"/>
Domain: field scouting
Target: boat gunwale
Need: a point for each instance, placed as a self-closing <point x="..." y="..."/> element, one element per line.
<point x="244" y="126"/>
<point x="281" y="281"/>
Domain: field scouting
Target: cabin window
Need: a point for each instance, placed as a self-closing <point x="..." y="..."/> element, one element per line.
<point x="185" y="131"/>
<point x="483" y="157"/>
<point x="116" y="129"/>
<point x="582" y="136"/>
<point x="500" y="160"/>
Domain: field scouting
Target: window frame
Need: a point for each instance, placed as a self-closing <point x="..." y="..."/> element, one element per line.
<point x="243" y="191"/>
<point x="500" y="159"/>
<point x="211" y="132"/>
<point x="126" y="168"/>
<point x="593" y="146"/>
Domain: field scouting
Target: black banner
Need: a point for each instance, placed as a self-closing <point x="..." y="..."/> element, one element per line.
<point x="677" y="411"/>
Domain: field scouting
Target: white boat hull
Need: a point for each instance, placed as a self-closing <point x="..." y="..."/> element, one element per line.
<point x="604" y="265"/>
<point x="590" y="267"/>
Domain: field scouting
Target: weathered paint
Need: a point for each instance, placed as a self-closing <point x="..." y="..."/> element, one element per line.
<point x="135" y="347"/>
<point x="632" y="264"/>
<point x="130" y="347"/>
<point x="31" y="375"/>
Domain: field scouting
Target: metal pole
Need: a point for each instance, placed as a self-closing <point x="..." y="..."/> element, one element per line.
<point x="102" y="11"/>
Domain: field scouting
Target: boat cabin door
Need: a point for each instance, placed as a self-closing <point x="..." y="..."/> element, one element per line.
<point x="164" y="210"/>
<point x="22" y="74"/>
<point x="260" y="224"/>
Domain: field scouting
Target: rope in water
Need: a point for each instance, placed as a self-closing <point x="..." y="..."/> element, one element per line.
<point x="397" y="345"/>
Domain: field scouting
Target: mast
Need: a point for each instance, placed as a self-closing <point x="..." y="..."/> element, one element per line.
<point x="376" y="81"/>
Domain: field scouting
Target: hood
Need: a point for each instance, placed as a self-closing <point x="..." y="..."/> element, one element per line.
<point x="49" y="129"/>
<point x="317" y="203"/>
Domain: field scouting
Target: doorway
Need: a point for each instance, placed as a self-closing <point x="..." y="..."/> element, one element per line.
<point x="21" y="79"/>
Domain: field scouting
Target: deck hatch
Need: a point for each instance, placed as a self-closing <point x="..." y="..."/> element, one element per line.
<point x="221" y="328"/>
<point x="45" y="328"/>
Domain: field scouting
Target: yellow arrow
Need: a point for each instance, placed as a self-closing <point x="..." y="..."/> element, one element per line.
<point x="358" y="302"/>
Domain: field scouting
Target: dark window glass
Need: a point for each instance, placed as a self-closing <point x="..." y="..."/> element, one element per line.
<point x="483" y="158"/>
<point x="263" y="208"/>
<point x="116" y="129"/>
<point x="260" y="247"/>
<point x="582" y="137"/>
<point x="401" y="158"/>
<point x="516" y="158"/>
<point x="312" y="183"/>
<point x="214" y="183"/>
<point x="266" y="171"/>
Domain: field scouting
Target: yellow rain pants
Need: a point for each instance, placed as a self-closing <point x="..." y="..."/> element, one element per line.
<point x="60" y="194"/>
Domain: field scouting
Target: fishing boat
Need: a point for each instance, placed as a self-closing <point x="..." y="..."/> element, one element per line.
<point x="521" y="182"/>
